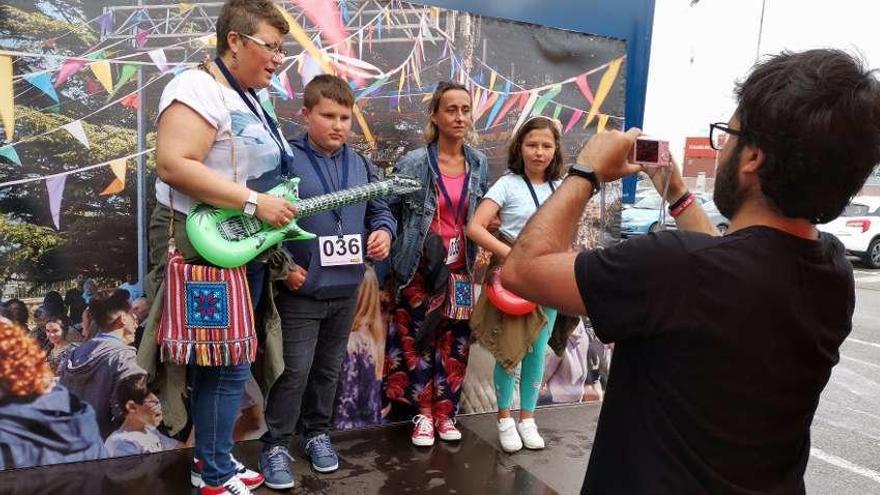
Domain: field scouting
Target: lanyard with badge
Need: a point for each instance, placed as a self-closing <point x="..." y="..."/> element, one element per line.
<point x="532" y="190"/>
<point x="341" y="249"/>
<point x="457" y="242"/>
<point x="265" y="119"/>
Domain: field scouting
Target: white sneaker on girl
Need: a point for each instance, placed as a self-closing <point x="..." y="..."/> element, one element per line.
<point x="528" y="431"/>
<point x="510" y="441"/>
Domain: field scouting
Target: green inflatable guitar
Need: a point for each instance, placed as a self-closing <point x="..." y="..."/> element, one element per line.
<point x="228" y="238"/>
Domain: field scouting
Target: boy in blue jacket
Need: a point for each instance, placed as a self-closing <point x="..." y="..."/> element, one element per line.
<point x="317" y="301"/>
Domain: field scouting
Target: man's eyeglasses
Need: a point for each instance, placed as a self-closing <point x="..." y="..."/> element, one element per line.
<point x="718" y="134"/>
<point x="275" y="49"/>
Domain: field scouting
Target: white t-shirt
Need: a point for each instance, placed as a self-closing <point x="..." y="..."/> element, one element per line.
<point x="122" y="443"/>
<point x="511" y="193"/>
<point x="257" y="157"/>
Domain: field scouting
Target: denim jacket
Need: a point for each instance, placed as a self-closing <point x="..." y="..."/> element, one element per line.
<point x="415" y="211"/>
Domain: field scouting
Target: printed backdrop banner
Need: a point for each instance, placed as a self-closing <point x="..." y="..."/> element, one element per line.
<point x="69" y="208"/>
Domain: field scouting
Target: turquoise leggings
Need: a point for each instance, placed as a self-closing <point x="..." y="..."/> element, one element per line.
<point x="532" y="372"/>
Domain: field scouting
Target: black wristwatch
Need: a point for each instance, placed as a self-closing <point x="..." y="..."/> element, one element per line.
<point x="587" y="172"/>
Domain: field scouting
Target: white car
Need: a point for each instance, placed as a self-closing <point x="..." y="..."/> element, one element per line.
<point x="858" y="228"/>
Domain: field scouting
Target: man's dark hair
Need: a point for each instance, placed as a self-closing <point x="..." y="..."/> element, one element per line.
<point x="333" y="88"/>
<point x="816" y="117"/>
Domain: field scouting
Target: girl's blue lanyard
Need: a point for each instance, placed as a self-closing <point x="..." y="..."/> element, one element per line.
<point x="310" y="153"/>
<point x="532" y="190"/>
<point x="273" y="129"/>
<point x="432" y="161"/>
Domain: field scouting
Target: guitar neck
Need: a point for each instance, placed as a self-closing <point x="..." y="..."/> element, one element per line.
<point x="345" y="197"/>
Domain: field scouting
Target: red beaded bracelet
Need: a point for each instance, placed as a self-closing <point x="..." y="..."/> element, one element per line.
<point x="683" y="205"/>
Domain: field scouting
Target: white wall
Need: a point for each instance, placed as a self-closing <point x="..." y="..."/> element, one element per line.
<point x="698" y="52"/>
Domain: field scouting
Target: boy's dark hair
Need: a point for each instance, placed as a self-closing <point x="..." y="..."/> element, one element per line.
<point x="816" y="117"/>
<point x="104" y="304"/>
<point x="326" y="86"/>
<point x="132" y="388"/>
<point x="514" y="152"/>
<point x="243" y="16"/>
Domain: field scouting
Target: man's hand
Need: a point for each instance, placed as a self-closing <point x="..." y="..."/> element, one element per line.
<point x="661" y="176"/>
<point x="296" y="278"/>
<point x="607" y="153"/>
<point x="379" y="244"/>
<point x="274" y="210"/>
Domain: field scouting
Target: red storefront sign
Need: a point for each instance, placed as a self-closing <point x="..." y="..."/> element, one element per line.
<point x="698" y="147"/>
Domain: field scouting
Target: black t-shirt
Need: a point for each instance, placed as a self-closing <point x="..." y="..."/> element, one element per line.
<point x="723" y="345"/>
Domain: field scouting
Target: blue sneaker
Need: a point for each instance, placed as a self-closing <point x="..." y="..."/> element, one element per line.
<point x="321" y="453"/>
<point x="276" y="469"/>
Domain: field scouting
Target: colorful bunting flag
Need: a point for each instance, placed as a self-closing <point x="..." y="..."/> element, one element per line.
<point x="604" y="87"/>
<point x="76" y="130"/>
<point x="118" y="184"/>
<point x="132" y="100"/>
<point x="141" y="37"/>
<point x="7" y="100"/>
<point x="542" y="102"/>
<point x="603" y="121"/>
<point x="128" y="71"/>
<point x="372" y="88"/>
<point x="101" y="69"/>
<point x="498" y="105"/>
<point x="584" y="86"/>
<point x="68" y="68"/>
<point x="10" y="154"/>
<point x="557" y="111"/>
<point x="310" y="68"/>
<point x="106" y="23"/>
<point x="43" y="82"/>
<point x="573" y="120"/>
<point x="526" y="110"/>
<point x="158" y="58"/>
<point x="184" y="8"/>
<point x="55" y="186"/>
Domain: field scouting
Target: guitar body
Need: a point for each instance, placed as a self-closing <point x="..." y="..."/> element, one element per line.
<point x="228" y="238"/>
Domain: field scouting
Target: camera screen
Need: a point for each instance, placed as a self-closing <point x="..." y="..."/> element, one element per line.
<point x="647" y="151"/>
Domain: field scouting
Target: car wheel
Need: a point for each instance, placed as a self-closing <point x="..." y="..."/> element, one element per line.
<point x="655" y="227"/>
<point x="722" y="227"/>
<point x="872" y="256"/>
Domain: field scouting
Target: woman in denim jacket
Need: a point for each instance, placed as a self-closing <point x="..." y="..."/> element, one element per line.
<point x="427" y="346"/>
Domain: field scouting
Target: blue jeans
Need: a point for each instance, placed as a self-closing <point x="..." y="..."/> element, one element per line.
<point x="215" y="402"/>
<point x="216" y="398"/>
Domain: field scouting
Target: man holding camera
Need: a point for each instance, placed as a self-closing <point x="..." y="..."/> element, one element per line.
<point x="723" y="344"/>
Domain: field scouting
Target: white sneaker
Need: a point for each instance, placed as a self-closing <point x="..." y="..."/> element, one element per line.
<point x="528" y="431"/>
<point x="232" y="487"/>
<point x="510" y="441"/>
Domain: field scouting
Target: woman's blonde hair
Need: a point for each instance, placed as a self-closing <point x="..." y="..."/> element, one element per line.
<point x="368" y="317"/>
<point x="431" y="132"/>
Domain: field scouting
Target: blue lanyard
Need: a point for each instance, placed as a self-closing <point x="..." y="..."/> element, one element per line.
<point x="532" y="190"/>
<point x="320" y="173"/>
<point x="273" y="129"/>
<point x="432" y="160"/>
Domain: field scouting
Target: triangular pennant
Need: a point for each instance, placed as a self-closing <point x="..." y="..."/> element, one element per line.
<point x="184" y="8"/>
<point x="526" y="110"/>
<point x="285" y="81"/>
<point x="76" y="130"/>
<point x="275" y="82"/>
<point x="492" y="77"/>
<point x="400" y="86"/>
<point x="573" y="120"/>
<point x="10" y="154"/>
<point x="486" y="105"/>
<point x="128" y="71"/>
<point x="557" y="110"/>
<point x="7" y="99"/>
<point x="604" y="87"/>
<point x="542" y="102"/>
<point x="55" y="186"/>
<point x="415" y="74"/>
<point x="43" y="82"/>
<point x="132" y="100"/>
<point x="158" y="58"/>
<point x="101" y="69"/>
<point x="496" y="109"/>
<point x="584" y="86"/>
<point x="513" y="100"/>
<point x="92" y="86"/>
<point x="68" y="68"/>
<point x="141" y="37"/>
<point x="118" y="184"/>
<point x="106" y="23"/>
<point x="372" y="88"/>
<point x="310" y="68"/>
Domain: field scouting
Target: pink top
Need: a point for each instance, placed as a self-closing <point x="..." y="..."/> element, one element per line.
<point x="444" y="223"/>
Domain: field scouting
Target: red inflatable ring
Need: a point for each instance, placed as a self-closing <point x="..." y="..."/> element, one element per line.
<point x="506" y="301"/>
